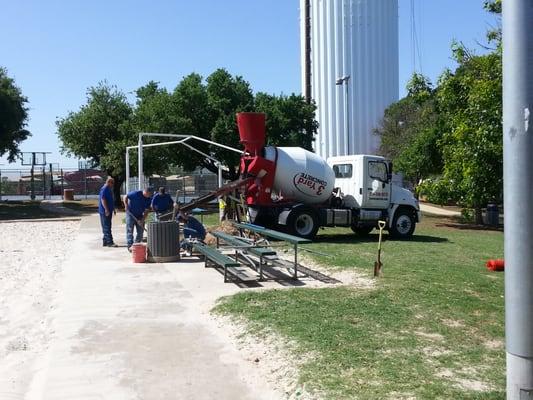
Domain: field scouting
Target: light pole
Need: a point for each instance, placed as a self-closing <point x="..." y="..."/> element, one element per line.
<point x="518" y="190"/>
<point x="343" y="80"/>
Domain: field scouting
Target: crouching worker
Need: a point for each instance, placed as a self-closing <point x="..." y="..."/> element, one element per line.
<point x="162" y="204"/>
<point x="137" y="205"/>
<point x="193" y="230"/>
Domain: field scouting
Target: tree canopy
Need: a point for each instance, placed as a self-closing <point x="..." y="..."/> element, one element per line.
<point x="102" y="128"/>
<point x="453" y="132"/>
<point x="99" y="130"/>
<point x="13" y="116"/>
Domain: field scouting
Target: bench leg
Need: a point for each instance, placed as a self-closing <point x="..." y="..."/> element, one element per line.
<point x="261" y="268"/>
<point x="295" y="276"/>
<point x="225" y="274"/>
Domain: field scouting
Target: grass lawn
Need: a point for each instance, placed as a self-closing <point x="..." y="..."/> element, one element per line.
<point x="23" y="210"/>
<point x="432" y="328"/>
<point x="88" y="206"/>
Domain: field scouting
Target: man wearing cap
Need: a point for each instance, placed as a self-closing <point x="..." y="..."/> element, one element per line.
<point x="137" y="206"/>
<point x="192" y="229"/>
<point x="162" y="203"/>
<point x="106" y="208"/>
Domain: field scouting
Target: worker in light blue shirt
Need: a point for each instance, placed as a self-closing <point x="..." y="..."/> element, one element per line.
<point x="106" y="208"/>
<point x="137" y="205"/>
<point x="162" y="203"/>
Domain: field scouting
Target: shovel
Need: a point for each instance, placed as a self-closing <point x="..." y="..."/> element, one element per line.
<point x="136" y="221"/>
<point x="378" y="264"/>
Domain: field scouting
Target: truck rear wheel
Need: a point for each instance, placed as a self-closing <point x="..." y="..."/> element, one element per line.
<point x="303" y="222"/>
<point x="403" y="224"/>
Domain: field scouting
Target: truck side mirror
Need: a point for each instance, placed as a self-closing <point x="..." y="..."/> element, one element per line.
<point x="389" y="172"/>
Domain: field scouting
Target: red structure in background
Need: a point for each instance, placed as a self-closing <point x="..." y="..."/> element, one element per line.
<point x="85" y="180"/>
<point x="252" y="132"/>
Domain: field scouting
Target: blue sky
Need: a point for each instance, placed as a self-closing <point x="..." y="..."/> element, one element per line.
<point x="56" y="49"/>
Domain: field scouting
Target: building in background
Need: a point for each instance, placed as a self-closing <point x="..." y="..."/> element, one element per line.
<point x="352" y="70"/>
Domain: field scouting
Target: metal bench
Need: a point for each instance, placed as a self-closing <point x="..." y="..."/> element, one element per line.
<point x="241" y="245"/>
<point x="230" y="266"/>
<point x="294" y="240"/>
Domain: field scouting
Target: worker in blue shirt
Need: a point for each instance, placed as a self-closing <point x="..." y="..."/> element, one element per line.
<point x="106" y="209"/>
<point x="137" y="206"/>
<point x="193" y="229"/>
<point x="162" y="203"/>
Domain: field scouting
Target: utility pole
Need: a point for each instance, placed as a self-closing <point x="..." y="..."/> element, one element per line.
<point x="518" y="191"/>
<point x="344" y="80"/>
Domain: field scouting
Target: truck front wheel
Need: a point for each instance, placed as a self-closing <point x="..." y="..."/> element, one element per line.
<point x="403" y="224"/>
<point x="303" y="223"/>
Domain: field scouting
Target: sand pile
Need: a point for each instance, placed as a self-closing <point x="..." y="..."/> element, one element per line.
<point x="226" y="227"/>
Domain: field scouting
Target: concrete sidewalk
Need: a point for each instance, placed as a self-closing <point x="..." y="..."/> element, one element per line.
<point x="434" y="210"/>
<point x="139" y="331"/>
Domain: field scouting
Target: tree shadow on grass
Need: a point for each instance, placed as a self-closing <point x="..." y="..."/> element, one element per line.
<point x="374" y="238"/>
<point x="473" y="227"/>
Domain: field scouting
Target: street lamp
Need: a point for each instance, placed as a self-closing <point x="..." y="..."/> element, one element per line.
<point x="343" y="80"/>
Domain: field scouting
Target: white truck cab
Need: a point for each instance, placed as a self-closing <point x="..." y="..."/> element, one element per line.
<point x="365" y="185"/>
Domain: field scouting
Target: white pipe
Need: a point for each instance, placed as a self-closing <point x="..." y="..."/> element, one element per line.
<point x="220" y="201"/>
<point x="127" y="170"/>
<point x="140" y="163"/>
<point x="191" y="137"/>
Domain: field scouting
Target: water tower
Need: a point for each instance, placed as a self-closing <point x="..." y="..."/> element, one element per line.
<point x="350" y="69"/>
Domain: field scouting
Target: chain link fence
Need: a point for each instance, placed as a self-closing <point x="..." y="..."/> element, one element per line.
<point x="51" y="182"/>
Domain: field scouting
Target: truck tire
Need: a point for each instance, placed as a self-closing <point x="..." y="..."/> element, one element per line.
<point x="403" y="224"/>
<point x="302" y="222"/>
<point x="361" y="230"/>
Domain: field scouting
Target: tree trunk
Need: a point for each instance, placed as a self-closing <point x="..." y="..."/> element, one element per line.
<point x="119" y="180"/>
<point x="478" y="215"/>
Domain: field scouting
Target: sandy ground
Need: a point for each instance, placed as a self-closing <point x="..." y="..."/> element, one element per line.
<point x="31" y="255"/>
<point x="78" y="321"/>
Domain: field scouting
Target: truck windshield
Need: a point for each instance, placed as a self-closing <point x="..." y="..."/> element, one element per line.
<point x="343" y="170"/>
<point x="377" y="170"/>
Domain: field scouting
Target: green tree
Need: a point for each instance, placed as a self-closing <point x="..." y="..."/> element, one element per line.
<point x="13" y="116"/>
<point x="98" y="131"/>
<point x="471" y="102"/>
<point x="290" y="120"/>
<point x="103" y="127"/>
<point x="410" y="131"/>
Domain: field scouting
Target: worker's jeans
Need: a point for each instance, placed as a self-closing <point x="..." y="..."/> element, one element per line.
<point x="130" y="224"/>
<point x="106" y="229"/>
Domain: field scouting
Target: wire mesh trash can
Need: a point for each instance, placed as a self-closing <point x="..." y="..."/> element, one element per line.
<point x="163" y="241"/>
<point x="493" y="215"/>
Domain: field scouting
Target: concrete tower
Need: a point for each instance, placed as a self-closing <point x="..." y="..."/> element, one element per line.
<point x="354" y="70"/>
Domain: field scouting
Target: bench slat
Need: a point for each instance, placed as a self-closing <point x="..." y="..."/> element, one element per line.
<point x="272" y="233"/>
<point x="230" y="265"/>
<point x="259" y="251"/>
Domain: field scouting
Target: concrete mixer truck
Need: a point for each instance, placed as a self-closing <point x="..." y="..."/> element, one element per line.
<point x="295" y="190"/>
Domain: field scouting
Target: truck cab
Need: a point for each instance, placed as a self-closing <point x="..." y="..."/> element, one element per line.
<point x="364" y="184"/>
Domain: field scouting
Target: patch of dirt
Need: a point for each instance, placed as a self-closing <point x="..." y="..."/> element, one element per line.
<point x="436" y="337"/>
<point x="494" y="344"/>
<point x="471" y="383"/>
<point x="452" y="323"/>
<point x="273" y="356"/>
<point x="350" y="278"/>
<point x="433" y="351"/>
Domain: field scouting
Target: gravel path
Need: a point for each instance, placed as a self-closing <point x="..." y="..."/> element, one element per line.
<point x="31" y="254"/>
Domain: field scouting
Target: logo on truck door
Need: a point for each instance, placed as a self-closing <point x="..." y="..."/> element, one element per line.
<point x="308" y="184"/>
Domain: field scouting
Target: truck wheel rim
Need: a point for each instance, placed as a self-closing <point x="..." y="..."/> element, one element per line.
<point x="304" y="224"/>
<point x="403" y="224"/>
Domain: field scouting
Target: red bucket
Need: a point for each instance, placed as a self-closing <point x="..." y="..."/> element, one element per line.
<point x="138" y="252"/>
<point x="252" y="131"/>
<point x="496" y="265"/>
